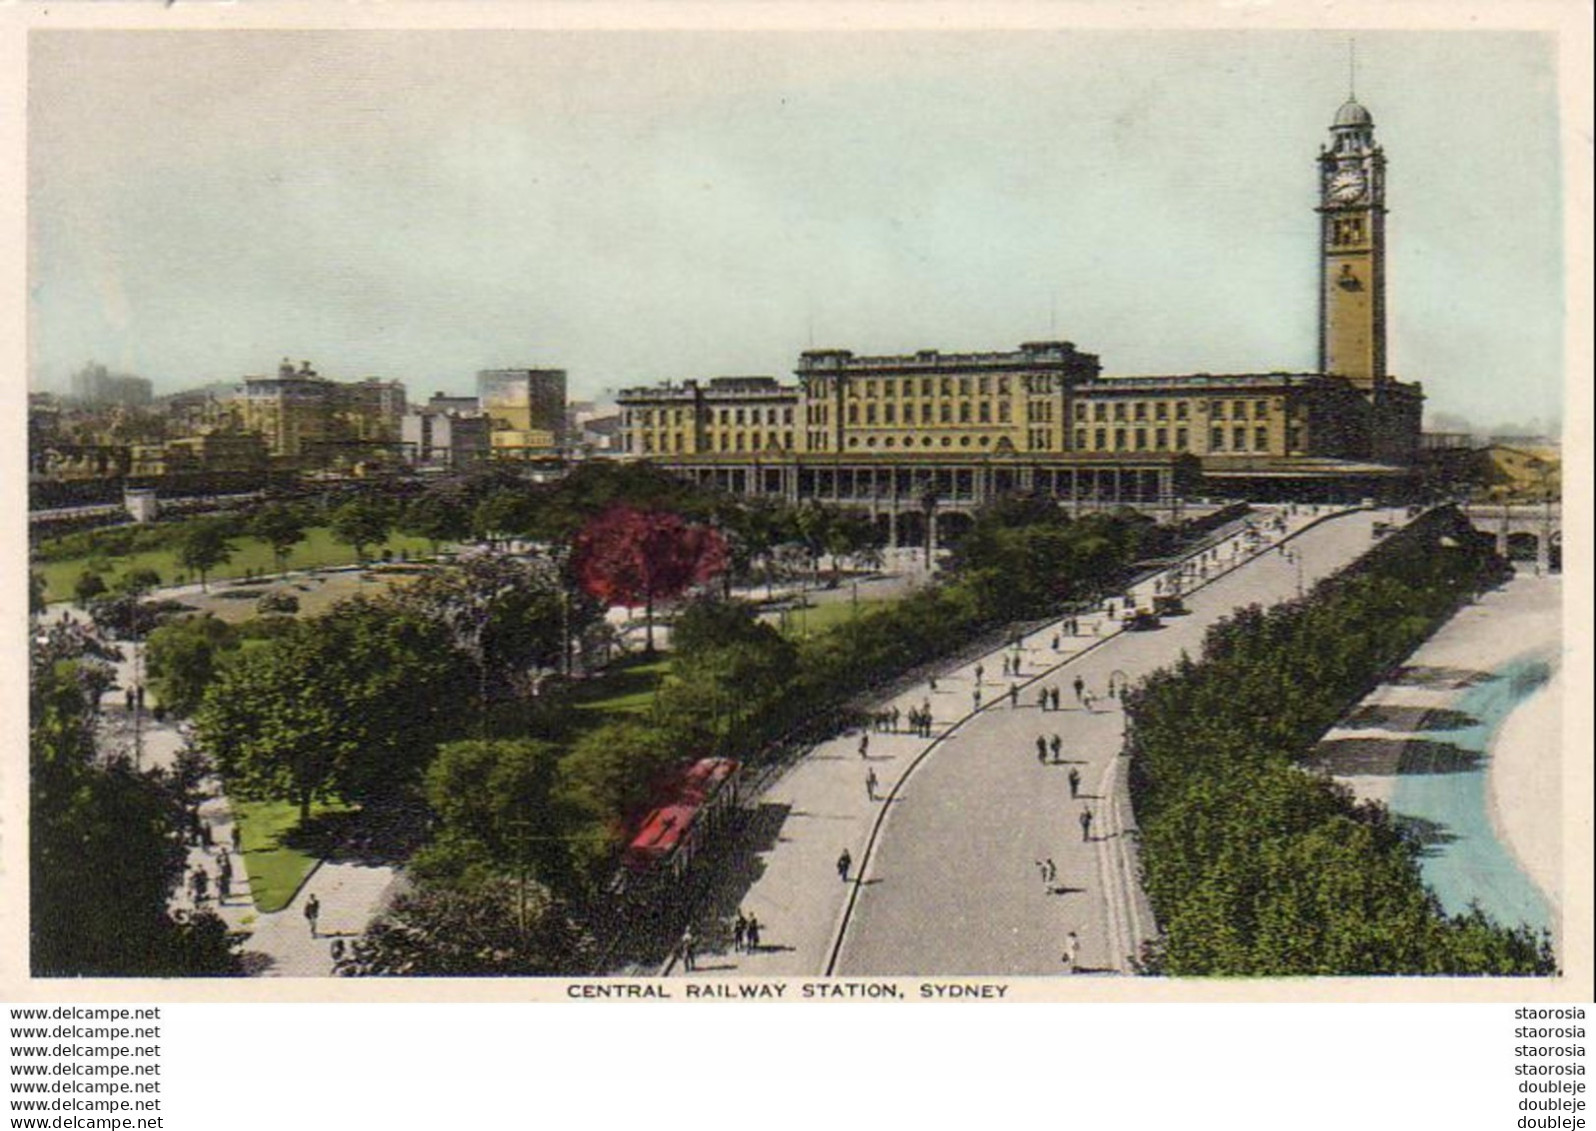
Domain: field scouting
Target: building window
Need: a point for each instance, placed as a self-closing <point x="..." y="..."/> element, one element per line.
<point x="1080" y="439"/>
<point x="1217" y="410"/>
<point x="853" y="414"/>
<point x="908" y="413"/>
<point x="1181" y="410"/>
<point x="1141" y="410"/>
<point x="870" y="414"/>
<point x="1161" y="410"/>
<point x="946" y="413"/>
<point x="870" y="388"/>
<point x="964" y="386"/>
<point x="1100" y="439"/>
<point x="1180" y="439"/>
<point x="964" y="412"/>
<point x="1100" y="411"/>
<point x="984" y="385"/>
<point x="1260" y="410"/>
<point x="889" y="413"/>
<point x="1161" y="439"/>
<point x="925" y="386"/>
<point x="1238" y="411"/>
<point x="1119" y="439"/>
<point x="1294" y="439"/>
<point x="1240" y="438"/>
<point x="1119" y="410"/>
<point x="1003" y="386"/>
<point x="985" y="415"/>
<point x="1004" y="412"/>
<point x="947" y="386"/>
<point x="1216" y="440"/>
<point x="1260" y="439"/>
<point x="1081" y="410"/>
<point x="786" y="440"/>
<point x="1141" y="439"/>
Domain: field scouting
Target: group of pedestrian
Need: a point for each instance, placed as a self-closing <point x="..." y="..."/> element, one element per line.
<point x="1049" y="750"/>
<point x="745" y="933"/>
<point x="1011" y="665"/>
<point x="1047" y="698"/>
<point x="886" y="720"/>
<point x="920" y="720"/>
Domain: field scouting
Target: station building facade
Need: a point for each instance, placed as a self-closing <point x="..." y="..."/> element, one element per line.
<point x="882" y="431"/>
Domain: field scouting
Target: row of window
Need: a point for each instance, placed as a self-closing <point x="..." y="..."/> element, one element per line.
<point x="1160" y="410"/>
<point x="945" y="413"/>
<point x="648" y="442"/>
<point x="871" y="387"/>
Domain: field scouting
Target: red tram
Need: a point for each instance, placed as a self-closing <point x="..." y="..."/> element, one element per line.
<point x="688" y="811"/>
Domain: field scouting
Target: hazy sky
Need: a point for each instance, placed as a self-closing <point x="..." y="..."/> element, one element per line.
<point x="641" y="206"/>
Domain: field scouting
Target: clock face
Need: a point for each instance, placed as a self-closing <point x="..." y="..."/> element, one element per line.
<point x="1346" y="186"/>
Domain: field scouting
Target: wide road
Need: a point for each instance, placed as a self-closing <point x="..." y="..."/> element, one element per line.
<point x="953" y="880"/>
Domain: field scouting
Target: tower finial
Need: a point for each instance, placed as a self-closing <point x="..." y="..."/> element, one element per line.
<point x="1352" y="69"/>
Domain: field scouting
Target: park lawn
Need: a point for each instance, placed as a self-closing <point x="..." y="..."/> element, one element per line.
<point x="250" y="555"/>
<point x="277" y="867"/>
<point x="815" y="619"/>
<point x="626" y="688"/>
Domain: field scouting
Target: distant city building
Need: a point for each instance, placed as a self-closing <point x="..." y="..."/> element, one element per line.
<point x="434" y="438"/>
<point x="93" y="386"/>
<point x="308" y="420"/>
<point x="527" y="407"/>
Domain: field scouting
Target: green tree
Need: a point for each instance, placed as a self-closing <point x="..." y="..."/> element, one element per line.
<point x="499" y="794"/>
<point x="183" y="657"/>
<point x="205" y="545"/>
<point x="281" y="527"/>
<point x="88" y="586"/>
<point x="349" y="703"/>
<point x="499" y="926"/>
<point x="37" y="598"/>
<point x="361" y="523"/>
<point x="138" y="582"/>
<point x="437" y="517"/>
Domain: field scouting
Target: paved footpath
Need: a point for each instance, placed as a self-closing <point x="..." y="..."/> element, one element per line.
<point x="947" y="875"/>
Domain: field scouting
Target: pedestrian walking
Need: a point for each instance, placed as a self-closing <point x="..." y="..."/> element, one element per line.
<point x="1072" y="950"/>
<point x="1055" y="642"/>
<point x="1075" y="782"/>
<point x="1041" y="698"/>
<point x="870" y="783"/>
<point x="1088" y="700"/>
<point x="864" y="744"/>
<point x="1053" y="697"/>
<point x="1050" y="872"/>
<point x="689" y="948"/>
<point x="1014" y="695"/>
<point x="752" y="934"/>
<point x="844" y="863"/>
<point x="224" y="886"/>
<point x="127" y="697"/>
<point x="1080" y="688"/>
<point x="238" y="837"/>
<point x="979" y="670"/>
<point x="1055" y="744"/>
<point x="739" y="932"/>
<point x="975" y="698"/>
<point x="933" y="681"/>
<point x="1086" y="825"/>
<point x="1041" y="750"/>
<point x="312" y="914"/>
<point x="201" y="883"/>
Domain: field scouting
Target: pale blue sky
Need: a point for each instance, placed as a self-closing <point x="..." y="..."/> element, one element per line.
<point x="642" y="206"/>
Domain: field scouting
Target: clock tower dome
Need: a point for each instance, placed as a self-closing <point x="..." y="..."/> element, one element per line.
<point x="1352" y="250"/>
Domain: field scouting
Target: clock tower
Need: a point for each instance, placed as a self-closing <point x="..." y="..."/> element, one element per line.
<point x="1352" y="250"/>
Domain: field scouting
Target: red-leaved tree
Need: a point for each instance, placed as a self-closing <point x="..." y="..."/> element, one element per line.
<point x="633" y="557"/>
